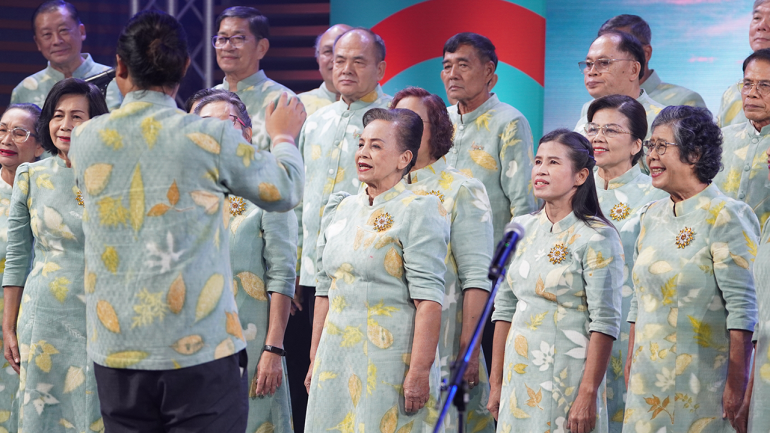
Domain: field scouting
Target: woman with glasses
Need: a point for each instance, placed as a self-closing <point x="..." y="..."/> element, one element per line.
<point x="558" y="314"/>
<point x="263" y="257"/>
<point x="18" y="144"/>
<point x="616" y="127"/>
<point x="694" y="305"/>
<point x="44" y="320"/>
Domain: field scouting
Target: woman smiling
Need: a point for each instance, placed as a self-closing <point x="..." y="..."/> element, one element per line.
<point x="380" y="287"/>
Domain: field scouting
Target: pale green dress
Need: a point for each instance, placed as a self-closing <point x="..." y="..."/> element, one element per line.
<point x="759" y="417"/>
<point x="317" y="98"/>
<point x="651" y="108"/>
<point x="263" y="251"/>
<point x="692" y="283"/>
<point x="731" y="107"/>
<point x="671" y="94"/>
<point x="470" y="254"/>
<point x="563" y="283"/>
<point x="373" y="262"/>
<point x="744" y="173"/>
<point x="57" y="391"/>
<point x="9" y="380"/>
<point x="621" y="203"/>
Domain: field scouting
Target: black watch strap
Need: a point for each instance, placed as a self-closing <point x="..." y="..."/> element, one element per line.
<point x="276" y="350"/>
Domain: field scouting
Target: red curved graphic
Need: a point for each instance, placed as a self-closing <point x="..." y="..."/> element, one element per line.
<point x="418" y="33"/>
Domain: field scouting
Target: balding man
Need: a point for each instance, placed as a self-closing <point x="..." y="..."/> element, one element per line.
<point x="59" y="36"/>
<point x="241" y="42"/>
<point x="615" y="65"/>
<point x="731" y="108"/>
<point x="325" y="94"/>
<point x="329" y="139"/>
<point x="669" y="94"/>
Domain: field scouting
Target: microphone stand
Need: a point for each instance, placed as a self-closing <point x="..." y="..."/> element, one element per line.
<point x="457" y="390"/>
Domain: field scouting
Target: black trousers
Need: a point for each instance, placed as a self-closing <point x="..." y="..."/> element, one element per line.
<point x="210" y="397"/>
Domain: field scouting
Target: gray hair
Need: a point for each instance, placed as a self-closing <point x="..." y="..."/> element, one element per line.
<point x="758" y="3"/>
<point x="229" y="97"/>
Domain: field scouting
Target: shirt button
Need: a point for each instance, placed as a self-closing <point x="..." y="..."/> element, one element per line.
<point x="331" y="171"/>
<point x="454" y="150"/>
<point x="461" y="127"/>
<point x="746" y="167"/>
<point x="754" y="140"/>
<point x="741" y="196"/>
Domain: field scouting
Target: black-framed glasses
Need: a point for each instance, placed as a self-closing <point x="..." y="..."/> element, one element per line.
<point x="610" y="130"/>
<point x="763" y="87"/>
<point x="236" y="41"/>
<point x="600" y="65"/>
<point x="660" y="146"/>
<point x="236" y="120"/>
<point x="18" y="134"/>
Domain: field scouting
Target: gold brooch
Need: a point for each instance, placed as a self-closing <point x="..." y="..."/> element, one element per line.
<point x="684" y="237"/>
<point x="558" y="253"/>
<point x="619" y="211"/>
<point x="437" y="194"/>
<point x="79" y="198"/>
<point x="383" y="222"/>
<point x="237" y="206"/>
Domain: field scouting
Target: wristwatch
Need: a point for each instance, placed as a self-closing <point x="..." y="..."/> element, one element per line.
<point x="272" y="349"/>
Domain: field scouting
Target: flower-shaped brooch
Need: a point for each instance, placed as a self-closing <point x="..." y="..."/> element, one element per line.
<point x="237" y="205"/>
<point x="383" y="222"/>
<point x="558" y="253"/>
<point x="619" y="212"/>
<point x="684" y="237"/>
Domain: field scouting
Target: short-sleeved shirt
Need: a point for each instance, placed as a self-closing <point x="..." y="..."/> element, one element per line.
<point x="34" y="89"/>
<point x="744" y="173"/>
<point x="328" y="142"/>
<point x="154" y="181"/>
<point x="731" y="107"/>
<point x="651" y="108"/>
<point x="493" y="144"/>
<point x="256" y="92"/>
<point x="317" y="98"/>
<point x="671" y="94"/>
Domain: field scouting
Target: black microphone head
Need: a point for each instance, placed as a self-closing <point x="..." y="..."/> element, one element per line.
<point x="516" y="228"/>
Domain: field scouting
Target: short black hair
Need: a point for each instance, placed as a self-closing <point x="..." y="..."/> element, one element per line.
<point x="379" y="44"/>
<point x="629" y="45"/>
<point x="153" y="45"/>
<point x="51" y="6"/>
<point x="696" y="136"/>
<point x="631" y="109"/>
<point x="636" y="25"/>
<point x="484" y="47"/>
<point x="197" y="96"/>
<point x="221" y="95"/>
<point x="68" y="86"/>
<point x="258" y="23"/>
<point x="763" y="54"/>
<point x="408" y="125"/>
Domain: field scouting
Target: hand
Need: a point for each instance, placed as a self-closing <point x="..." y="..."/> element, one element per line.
<point x="416" y="389"/>
<point x="741" y="423"/>
<point x="283" y="118"/>
<point x="582" y="414"/>
<point x="471" y="375"/>
<point x="267" y="379"/>
<point x="732" y="400"/>
<point x="309" y="376"/>
<point x="11" y="349"/>
<point x="296" y="302"/>
<point x="493" y="405"/>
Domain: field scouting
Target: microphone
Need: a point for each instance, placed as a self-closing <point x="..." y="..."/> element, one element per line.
<point x="511" y="236"/>
<point x="102" y="80"/>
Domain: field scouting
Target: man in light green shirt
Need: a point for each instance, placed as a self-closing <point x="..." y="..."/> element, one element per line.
<point x="241" y="42"/>
<point x="59" y="36"/>
<point x="329" y="138"/>
<point x="669" y="94"/>
<point x="615" y="65"/>
<point x="744" y="150"/>
<point x="325" y="94"/>
<point x="731" y="107"/>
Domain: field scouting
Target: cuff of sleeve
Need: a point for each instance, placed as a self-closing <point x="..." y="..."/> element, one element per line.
<point x="13" y="279"/>
<point x="612" y="331"/>
<point x="484" y="284"/>
<point x="631" y="318"/>
<point x="504" y="314"/>
<point x="426" y="294"/>
<point x="737" y="324"/>
<point x="281" y="287"/>
<point x="322" y="289"/>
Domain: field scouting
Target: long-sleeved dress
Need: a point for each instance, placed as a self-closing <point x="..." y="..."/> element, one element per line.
<point x="621" y="203"/>
<point x="373" y="261"/>
<point x="9" y="380"/>
<point x="759" y="417"/>
<point x="263" y="254"/>
<point x="692" y="283"/>
<point x="470" y="253"/>
<point x="57" y="388"/>
<point x="563" y="283"/>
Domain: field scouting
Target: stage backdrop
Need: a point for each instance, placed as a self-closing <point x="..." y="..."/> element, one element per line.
<point x="415" y="31"/>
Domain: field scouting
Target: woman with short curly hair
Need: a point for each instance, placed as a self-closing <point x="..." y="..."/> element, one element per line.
<point x="687" y="367"/>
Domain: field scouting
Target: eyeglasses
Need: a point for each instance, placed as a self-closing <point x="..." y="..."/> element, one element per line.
<point x="763" y="87"/>
<point x="18" y="134"/>
<point x="236" y="41"/>
<point x="600" y="65"/>
<point x="660" y="146"/>
<point x="236" y="120"/>
<point x="609" y="130"/>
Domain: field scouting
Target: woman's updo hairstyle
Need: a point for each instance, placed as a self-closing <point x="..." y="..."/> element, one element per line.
<point x="153" y="45"/>
<point x="408" y="125"/>
<point x="585" y="202"/>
